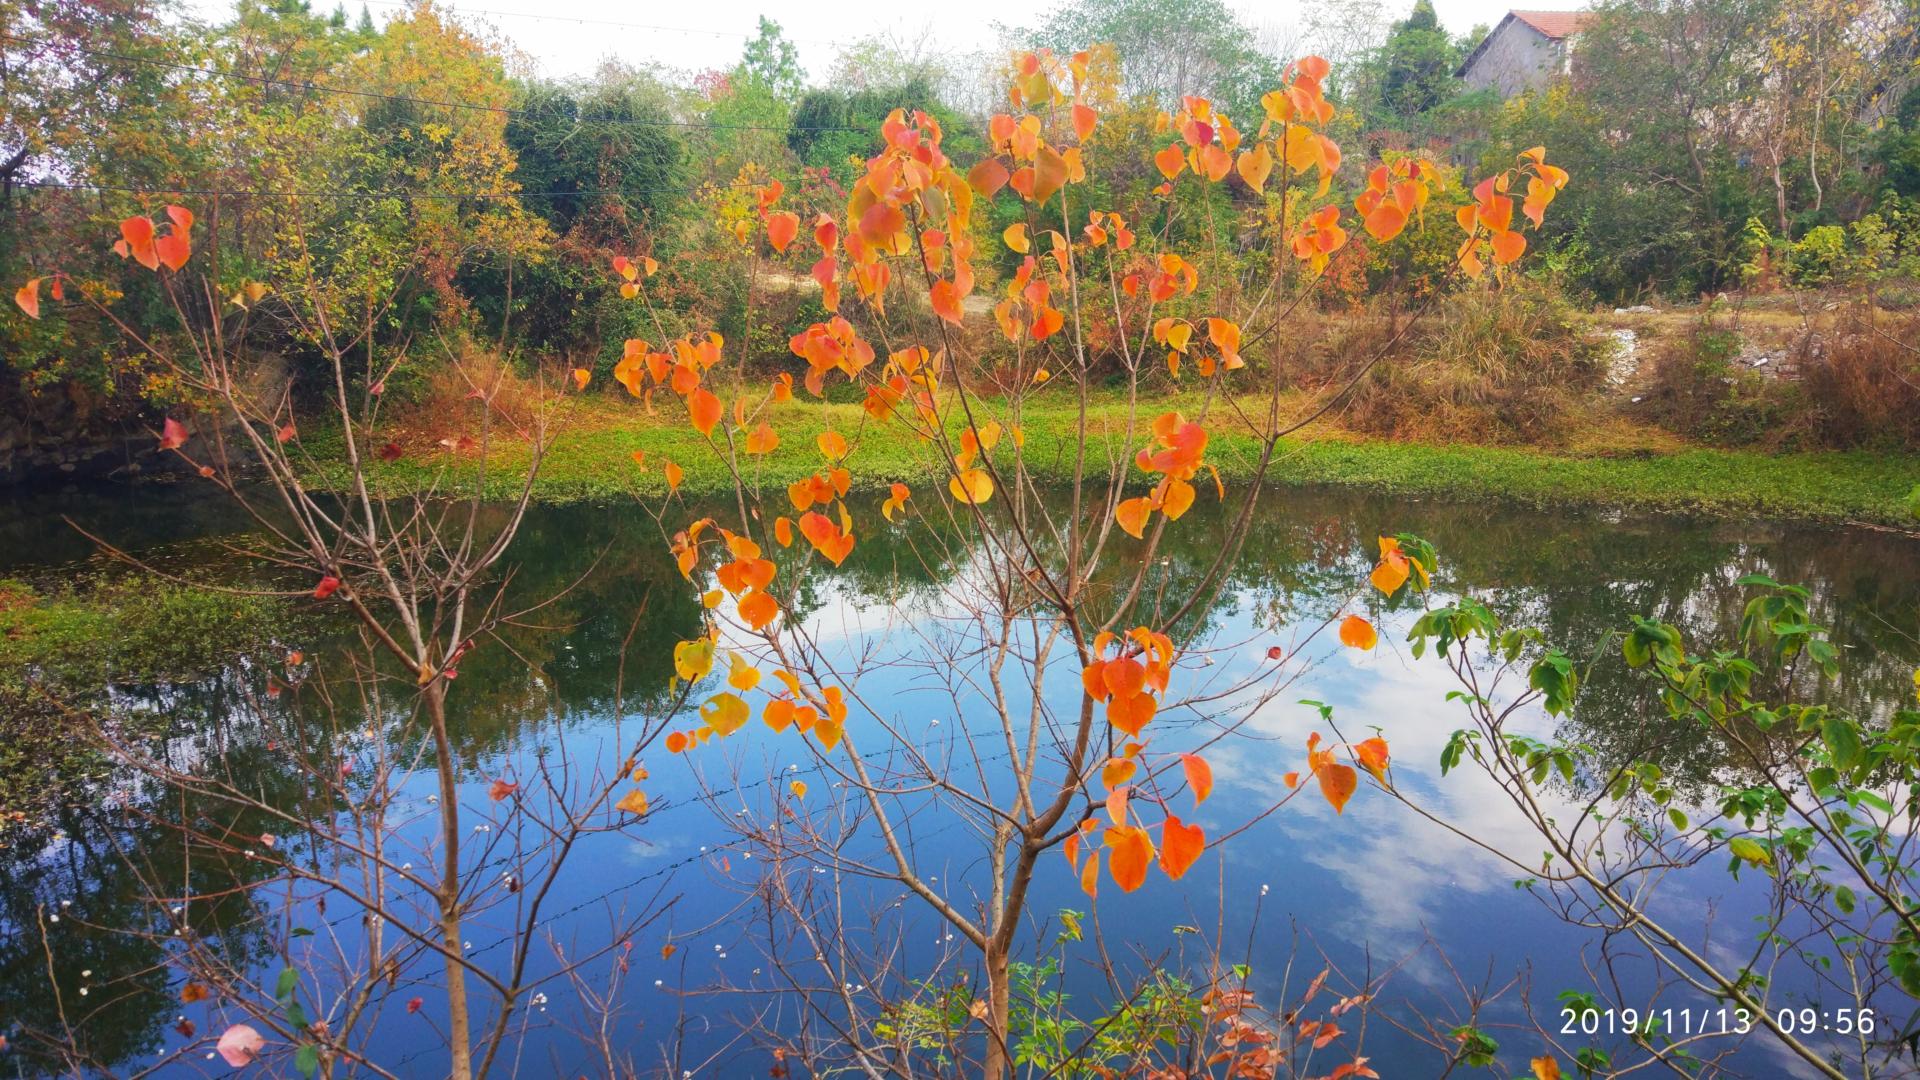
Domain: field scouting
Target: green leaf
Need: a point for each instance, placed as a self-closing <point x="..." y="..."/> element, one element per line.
<point x="289" y="980"/>
<point x="307" y="1059"/>
<point x="1843" y="740"/>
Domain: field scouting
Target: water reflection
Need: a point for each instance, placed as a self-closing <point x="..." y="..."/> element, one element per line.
<point x="1373" y="879"/>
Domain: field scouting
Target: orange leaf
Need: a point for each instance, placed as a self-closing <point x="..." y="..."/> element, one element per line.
<point x="704" y="407"/>
<point x="1180" y="846"/>
<point x="1373" y="757"/>
<point x="1084" y="119"/>
<point x="1358" y="633"/>
<point x="674" y="474"/>
<point x="782" y="228"/>
<point x="28" y="297"/>
<point x="1391" y="573"/>
<point x="1170" y="161"/>
<point x="1199" y="776"/>
<point x="172" y="250"/>
<point x="500" y="789"/>
<point x="1386" y="221"/>
<point x="1117" y="805"/>
<point x="945" y="297"/>
<point x="1132" y="515"/>
<point x="988" y="177"/>
<point x="1132" y="852"/>
<point x="1125" y="677"/>
<point x="1546" y="1068"/>
<point x="581" y="377"/>
<point x="758" y="609"/>
<point x="1507" y="246"/>
<point x="633" y="802"/>
<point x="1117" y="771"/>
<point x="676" y="742"/>
<point x="832" y="444"/>
<point x="1090" y="875"/>
<point x="1131" y="715"/>
<point x="1337" y="783"/>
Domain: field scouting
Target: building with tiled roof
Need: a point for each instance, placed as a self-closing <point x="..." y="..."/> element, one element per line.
<point x="1526" y="51"/>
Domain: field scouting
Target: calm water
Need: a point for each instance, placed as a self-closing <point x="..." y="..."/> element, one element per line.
<point x="1366" y="888"/>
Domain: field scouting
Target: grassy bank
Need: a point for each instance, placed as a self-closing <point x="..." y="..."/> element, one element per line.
<point x="593" y="461"/>
<point x="64" y="652"/>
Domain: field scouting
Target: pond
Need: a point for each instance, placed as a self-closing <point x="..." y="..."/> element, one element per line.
<point x="1363" y="891"/>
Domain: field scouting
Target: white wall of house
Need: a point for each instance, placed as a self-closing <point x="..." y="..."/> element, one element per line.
<point x="1516" y="58"/>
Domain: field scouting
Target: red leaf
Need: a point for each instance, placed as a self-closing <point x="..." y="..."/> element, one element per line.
<point x="500" y="789"/>
<point x="173" y="434"/>
<point x="390" y="452"/>
<point x="327" y="587"/>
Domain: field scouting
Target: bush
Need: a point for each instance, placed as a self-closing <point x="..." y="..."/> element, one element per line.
<point x="1698" y="390"/>
<point x="1818" y="257"/>
<point x="1514" y="365"/>
<point x="1863" y="381"/>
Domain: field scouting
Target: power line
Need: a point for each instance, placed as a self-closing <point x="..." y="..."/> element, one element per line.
<point x="531" y="114"/>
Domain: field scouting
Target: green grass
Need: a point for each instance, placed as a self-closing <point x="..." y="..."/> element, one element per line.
<point x="592" y="462"/>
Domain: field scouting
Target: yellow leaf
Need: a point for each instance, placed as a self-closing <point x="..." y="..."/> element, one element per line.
<point x="972" y="486"/>
<point x="1255" y="165"/>
<point x="742" y="676"/>
<point x="832" y="444"/>
<point x="799" y="789"/>
<point x="633" y="802"/>
<point x="1015" y="236"/>
<point x="693" y="659"/>
<point x="725" y="713"/>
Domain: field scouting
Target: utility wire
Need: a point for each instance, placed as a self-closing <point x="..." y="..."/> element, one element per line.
<point x="530" y="114"/>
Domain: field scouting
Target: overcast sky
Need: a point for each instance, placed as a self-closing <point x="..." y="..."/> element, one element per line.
<point x="570" y="37"/>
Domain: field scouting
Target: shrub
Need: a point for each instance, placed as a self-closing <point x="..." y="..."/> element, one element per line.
<point x="1699" y="391"/>
<point x="1818" y="257"/>
<point x="1863" y="381"/>
<point x="1516" y="365"/>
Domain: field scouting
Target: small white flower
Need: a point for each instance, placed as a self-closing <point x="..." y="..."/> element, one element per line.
<point x="1263" y="890"/>
<point x="658" y="982"/>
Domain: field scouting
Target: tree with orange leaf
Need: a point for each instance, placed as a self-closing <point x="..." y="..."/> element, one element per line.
<point x="1051" y="603"/>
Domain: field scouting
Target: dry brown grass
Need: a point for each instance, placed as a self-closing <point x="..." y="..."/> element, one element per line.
<point x="1862" y="380"/>
<point x="1516" y="365"/>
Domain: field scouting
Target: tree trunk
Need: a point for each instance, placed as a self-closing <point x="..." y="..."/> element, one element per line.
<point x="999" y="1059"/>
<point x="459" y="1041"/>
